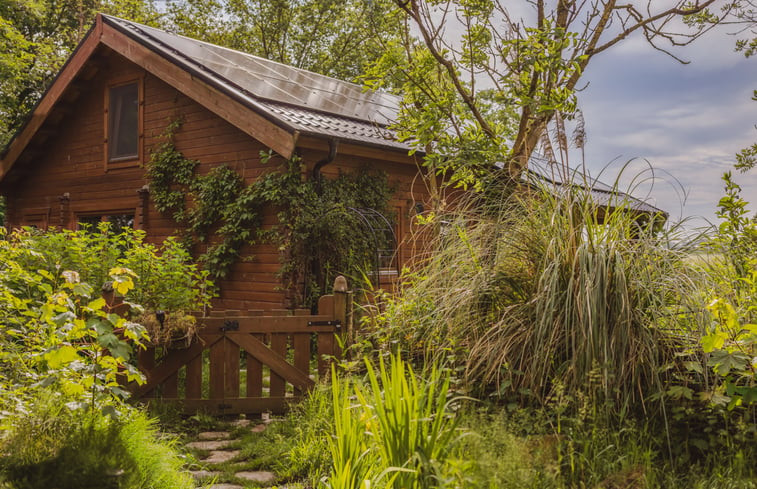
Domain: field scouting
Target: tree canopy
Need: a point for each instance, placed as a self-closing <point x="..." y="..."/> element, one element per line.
<point x="483" y="79"/>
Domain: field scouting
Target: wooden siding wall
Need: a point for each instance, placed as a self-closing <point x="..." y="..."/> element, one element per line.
<point x="70" y="177"/>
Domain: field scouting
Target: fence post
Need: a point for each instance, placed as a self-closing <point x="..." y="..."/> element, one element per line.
<point x="343" y="309"/>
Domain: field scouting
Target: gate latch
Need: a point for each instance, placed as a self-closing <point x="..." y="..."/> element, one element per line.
<point x="336" y="323"/>
<point x="230" y="325"/>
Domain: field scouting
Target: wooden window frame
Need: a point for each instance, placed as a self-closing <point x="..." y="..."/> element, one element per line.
<point x="129" y="161"/>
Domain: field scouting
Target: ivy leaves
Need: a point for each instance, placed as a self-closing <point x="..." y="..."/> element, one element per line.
<point x="170" y="174"/>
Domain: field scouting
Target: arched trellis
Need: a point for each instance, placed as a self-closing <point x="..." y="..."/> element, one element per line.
<point x="378" y="226"/>
<point x="376" y="223"/>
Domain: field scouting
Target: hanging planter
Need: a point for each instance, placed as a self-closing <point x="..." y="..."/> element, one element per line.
<point x="174" y="330"/>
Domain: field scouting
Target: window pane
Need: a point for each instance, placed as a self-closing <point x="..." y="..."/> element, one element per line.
<point x="119" y="222"/>
<point x="90" y="221"/>
<point x="123" y="121"/>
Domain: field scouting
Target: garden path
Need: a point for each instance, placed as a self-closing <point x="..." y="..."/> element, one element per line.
<point x="221" y="464"/>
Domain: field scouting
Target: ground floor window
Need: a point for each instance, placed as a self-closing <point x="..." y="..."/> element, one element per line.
<point x="118" y="220"/>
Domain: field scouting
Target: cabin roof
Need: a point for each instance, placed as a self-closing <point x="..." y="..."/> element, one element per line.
<point x="603" y="195"/>
<point x="294" y="98"/>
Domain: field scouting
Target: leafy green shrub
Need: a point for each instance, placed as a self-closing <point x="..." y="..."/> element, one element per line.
<point x="49" y="445"/>
<point x="71" y="340"/>
<point x="166" y="279"/>
<point x="730" y="340"/>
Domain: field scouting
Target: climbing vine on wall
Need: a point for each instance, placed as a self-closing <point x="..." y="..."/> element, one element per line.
<point x="318" y="234"/>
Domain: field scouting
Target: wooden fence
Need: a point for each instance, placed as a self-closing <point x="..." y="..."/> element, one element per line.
<point x="249" y="362"/>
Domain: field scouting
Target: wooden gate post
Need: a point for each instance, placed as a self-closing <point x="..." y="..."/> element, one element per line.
<point x="343" y="310"/>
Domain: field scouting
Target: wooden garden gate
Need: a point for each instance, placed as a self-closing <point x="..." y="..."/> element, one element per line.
<point x="249" y="363"/>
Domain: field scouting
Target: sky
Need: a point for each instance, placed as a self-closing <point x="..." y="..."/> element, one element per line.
<point x="684" y="122"/>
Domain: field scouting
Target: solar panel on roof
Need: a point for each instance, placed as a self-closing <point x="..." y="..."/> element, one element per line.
<point x="274" y="81"/>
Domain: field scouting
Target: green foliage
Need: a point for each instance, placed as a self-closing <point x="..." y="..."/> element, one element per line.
<point x="319" y="232"/>
<point x="500" y="454"/>
<point x="70" y="340"/>
<point x="170" y="174"/>
<point x="165" y="278"/>
<point x="50" y="446"/>
<point x="730" y="340"/>
<point x="480" y="98"/>
<point x="746" y="159"/>
<point x="57" y="329"/>
<point x="401" y="433"/>
<point x="541" y="294"/>
<point x="353" y="464"/>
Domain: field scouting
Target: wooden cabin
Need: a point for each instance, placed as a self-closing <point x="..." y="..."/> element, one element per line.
<point x="81" y="155"/>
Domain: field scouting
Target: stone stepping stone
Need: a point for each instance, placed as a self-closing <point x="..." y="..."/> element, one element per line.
<point x="214" y="435"/>
<point x="209" y="444"/>
<point x="203" y="474"/>
<point x="223" y="486"/>
<point x="243" y="423"/>
<point x="221" y="456"/>
<point x="257" y="476"/>
<point x="258" y="428"/>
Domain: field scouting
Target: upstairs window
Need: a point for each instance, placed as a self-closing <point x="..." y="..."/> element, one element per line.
<point x="123" y="104"/>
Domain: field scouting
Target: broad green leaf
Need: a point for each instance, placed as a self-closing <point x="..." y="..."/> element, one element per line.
<point x="724" y="361"/>
<point x="679" y="391"/>
<point x="46" y="274"/>
<point x="98" y="303"/>
<point x="713" y="341"/>
<point x="61" y="356"/>
<point x="117" y="347"/>
<point x="720" y="399"/>
<point x="693" y="366"/>
<point x="72" y="389"/>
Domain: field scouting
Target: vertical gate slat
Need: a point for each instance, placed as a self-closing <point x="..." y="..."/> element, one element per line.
<point x="302" y="355"/>
<point x="216" y="369"/>
<point x="146" y="361"/>
<point x="231" y="367"/>
<point x="254" y="374"/>
<point x="325" y="351"/>
<point x="170" y="388"/>
<point x="193" y="388"/>
<point x="278" y="345"/>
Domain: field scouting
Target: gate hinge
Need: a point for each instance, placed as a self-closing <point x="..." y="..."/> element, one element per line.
<point x="230" y="325"/>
